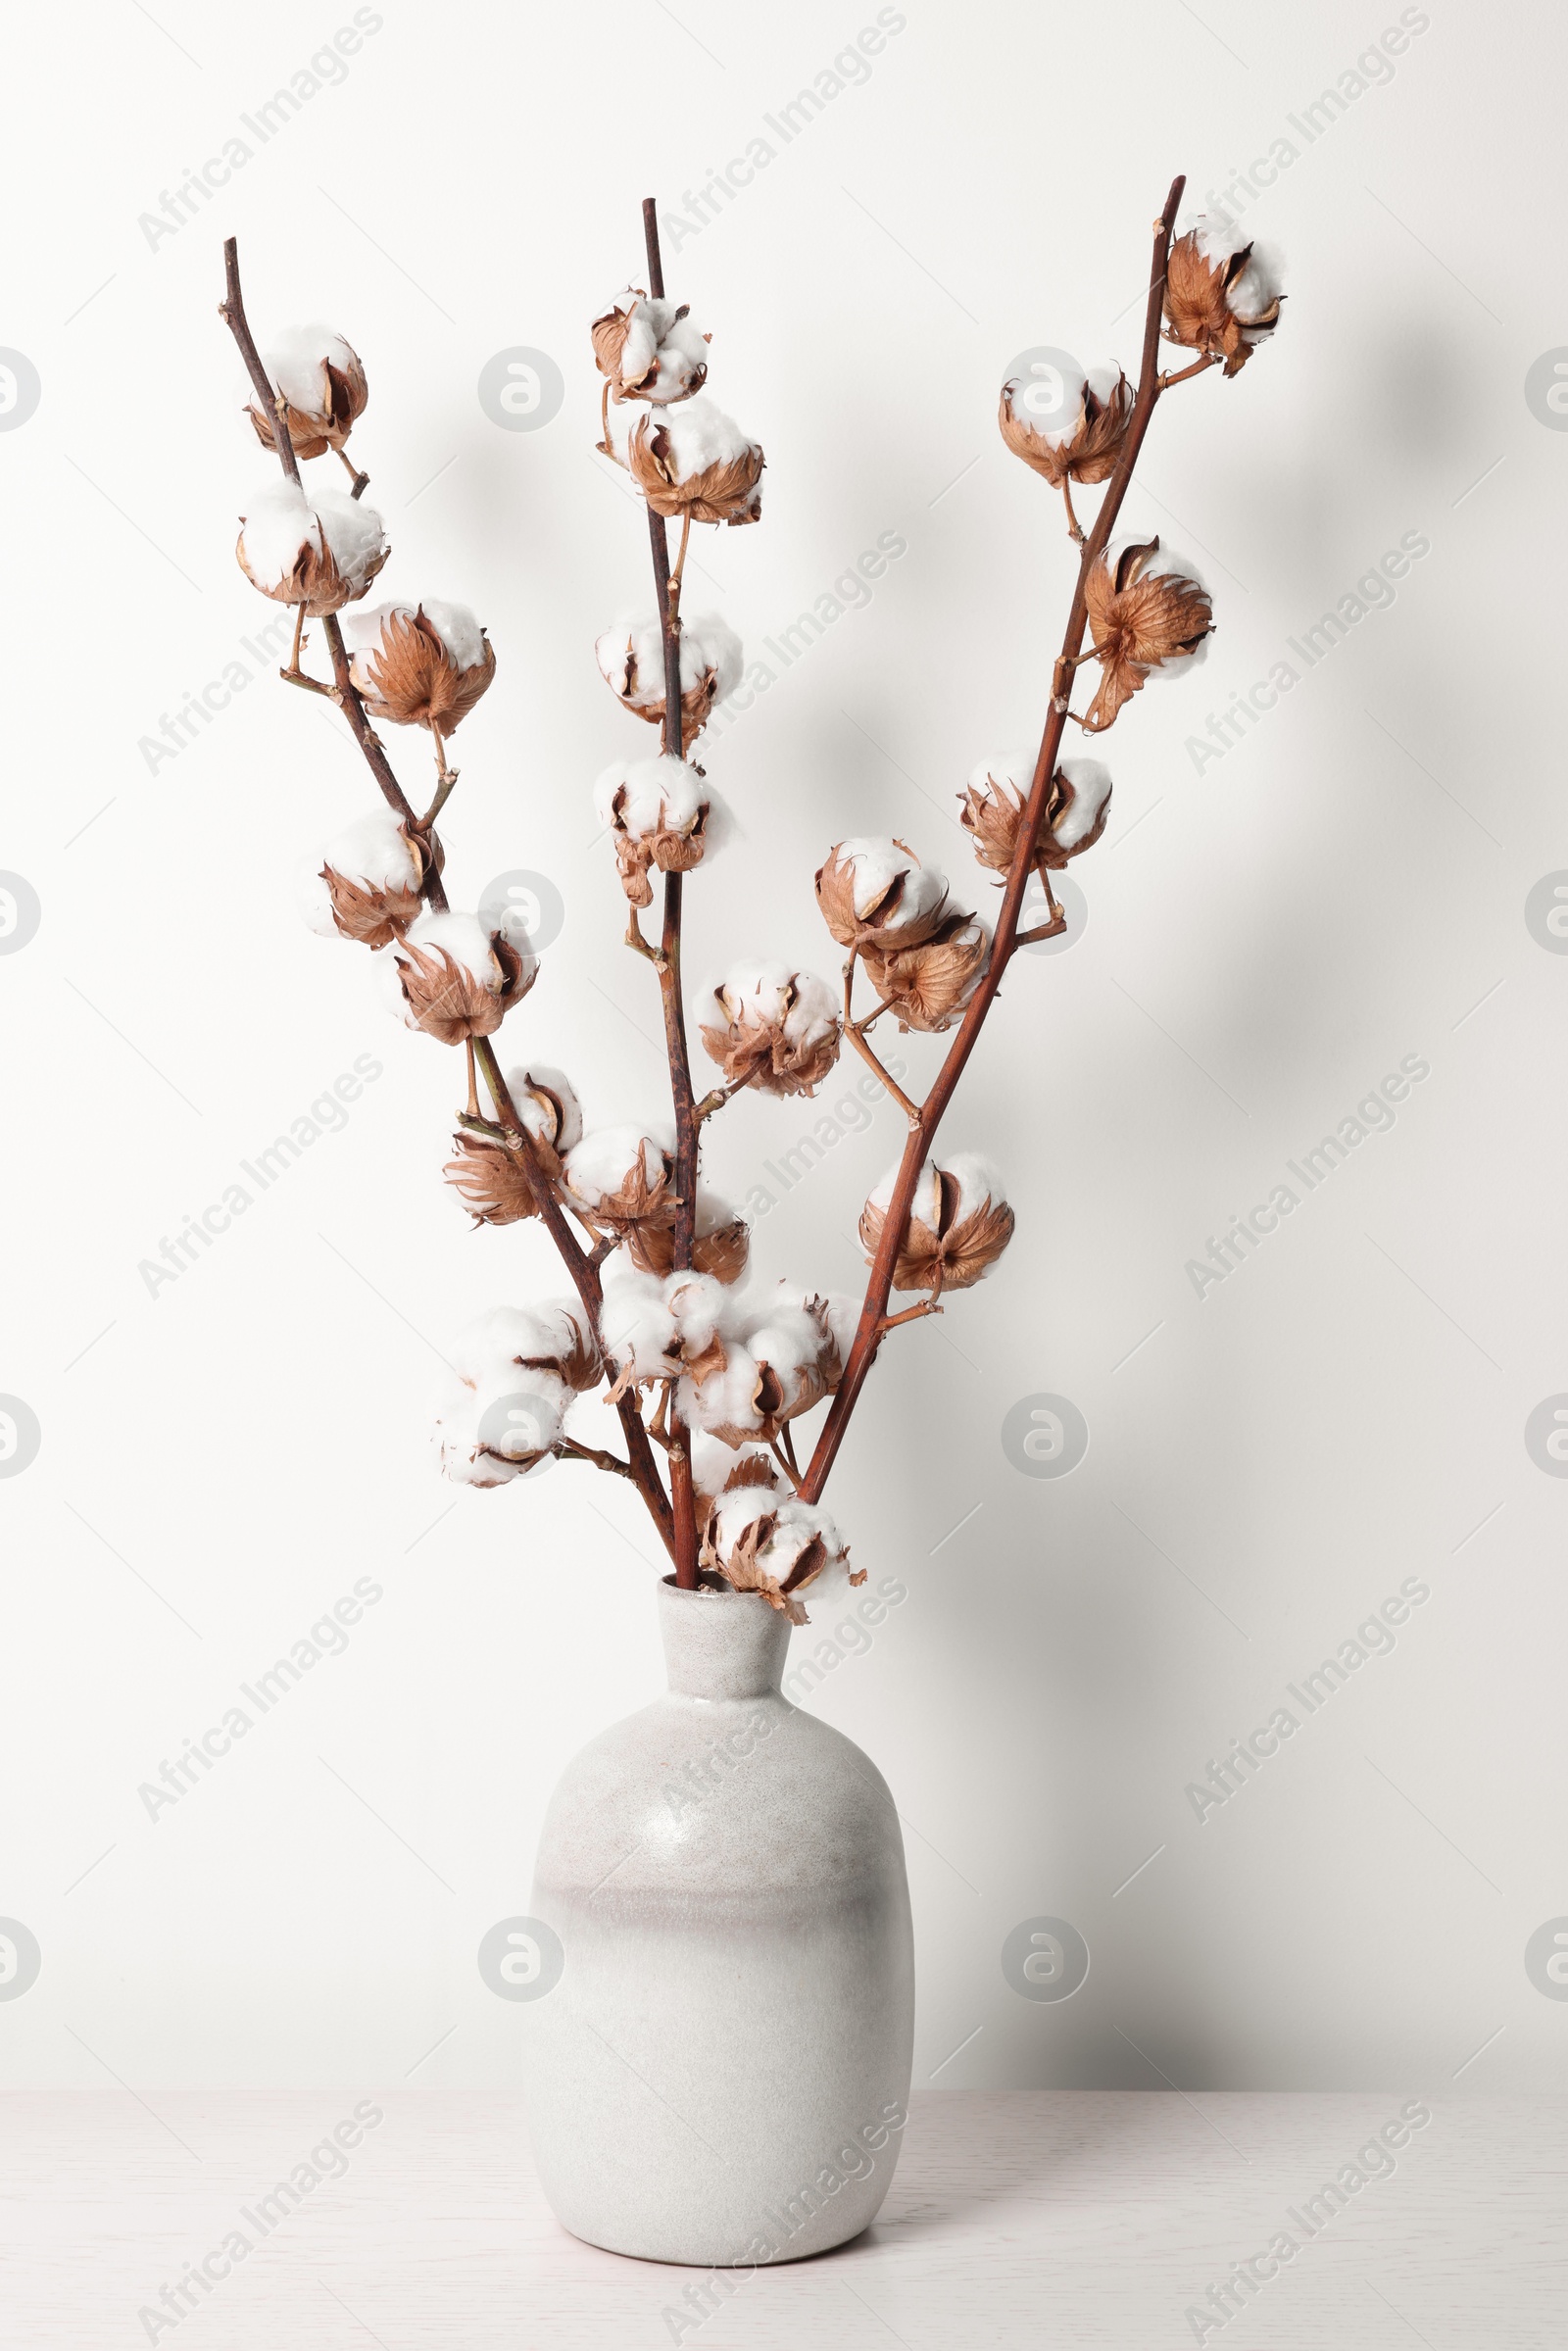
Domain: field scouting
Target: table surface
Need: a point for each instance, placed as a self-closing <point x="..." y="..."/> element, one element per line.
<point x="1038" y="2218"/>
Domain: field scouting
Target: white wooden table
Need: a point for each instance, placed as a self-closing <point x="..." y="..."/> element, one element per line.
<point x="1034" y="2220"/>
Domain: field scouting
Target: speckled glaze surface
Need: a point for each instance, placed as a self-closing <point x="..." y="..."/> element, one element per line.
<point x="720" y="2076"/>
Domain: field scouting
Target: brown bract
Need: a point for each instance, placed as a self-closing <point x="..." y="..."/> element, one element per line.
<point x="673" y="848"/>
<point x="927" y="987"/>
<point x="753" y="1052"/>
<point x="377" y="916"/>
<point x="696" y="701"/>
<point x="955" y="1255"/>
<point x="576" y="1361"/>
<point x="410" y="678"/>
<point x="1198" y="307"/>
<point x="638" y="1201"/>
<point x="726" y="491"/>
<point x="449" y="1002"/>
<point x="1137" y="623"/>
<point x="721" y="1250"/>
<point x="879" y="925"/>
<point x="1089" y="453"/>
<point x="315" y="430"/>
<point x="490" y="1180"/>
<point x="992" y="811"/>
<point x="315" y="581"/>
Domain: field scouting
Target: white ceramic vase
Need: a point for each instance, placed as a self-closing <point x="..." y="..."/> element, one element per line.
<point x="718" y="2076"/>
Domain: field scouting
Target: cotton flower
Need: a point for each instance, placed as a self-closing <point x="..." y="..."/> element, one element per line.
<point x="369" y="881"/>
<point x="513" y="1374"/>
<point x="960" y="1224"/>
<point x="695" y="460"/>
<point x="876" y="892"/>
<point x="648" y="348"/>
<point x="631" y="661"/>
<point x="1095" y="413"/>
<point x="1147" y="614"/>
<point x="322" y="552"/>
<point x="322" y="382"/>
<point x="621" y="1177"/>
<point x="652" y="1327"/>
<point x="660" y="812"/>
<point x="456" y="978"/>
<point x="422" y="664"/>
<point x="1072" y="821"/>
<point x="761" y="1371"/>
<point x="1221" y="294"/>
<point x="771" y="1027"/>
<point x="762" y="1540"/>
<point x="720" y="1244"/>
<point x="926" y="987"/>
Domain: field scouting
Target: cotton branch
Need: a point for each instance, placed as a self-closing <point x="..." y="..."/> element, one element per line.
<point x="641" y="1467"/>
<point x="682" y="1094"/>
<point x="873" y="1313"/>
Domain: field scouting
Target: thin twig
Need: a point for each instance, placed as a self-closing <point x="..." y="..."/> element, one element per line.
<point x="568" y="1449"/>
<point x="868" y="1335"/>
<point x="856" y="1030"/>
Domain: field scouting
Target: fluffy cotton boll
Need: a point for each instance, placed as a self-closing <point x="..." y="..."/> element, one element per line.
<point x="777" y="1548"/>
<point x="1259" y="284"/>
<point x="636" y="1325"/>
<point x="726" y="1400"/>
<point x="279" y="521"/>
<point x="519" y="1413"/>
<point x="1091" y="783"/>
<point x="458" y="976"/>
<point x="660" y="812"/>
<point x="495" y="1420"/>
<point x="604" y="1163"/>
<point x="688" y="458"/>
<point x="321" y="551"/>
<point x="1051" y="405"/>
<point x="644" y="797"/>
<point x="926" y="1205"/>
<point x="1012" y="770"/>
<point x="323" y="386"/>
<point x="959" y="1223"/>
<point x="701" y="435"/>
<point x="366" y="883"/>
<point x="631" y="661"/>
<point x="298" y="357"/>
<point x="875" y="891"/>
<point x="700" y="1307"/>
<point x="978" y="1181"/>
<point x="837" y="1315"/>
<point x="547" y="1103"/>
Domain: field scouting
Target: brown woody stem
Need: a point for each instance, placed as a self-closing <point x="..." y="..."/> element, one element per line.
<point x="862" y="1353"/>
<point x="1073" y="532"/>
<point x="669" y="984"/>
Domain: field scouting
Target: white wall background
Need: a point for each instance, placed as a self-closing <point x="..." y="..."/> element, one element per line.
<point x="1266" y="939"/>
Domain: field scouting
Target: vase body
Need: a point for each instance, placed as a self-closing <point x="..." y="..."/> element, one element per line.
<point x="718" y="2074"/>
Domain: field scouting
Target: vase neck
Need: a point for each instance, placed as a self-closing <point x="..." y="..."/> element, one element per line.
<point x="721" y="1645"/>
